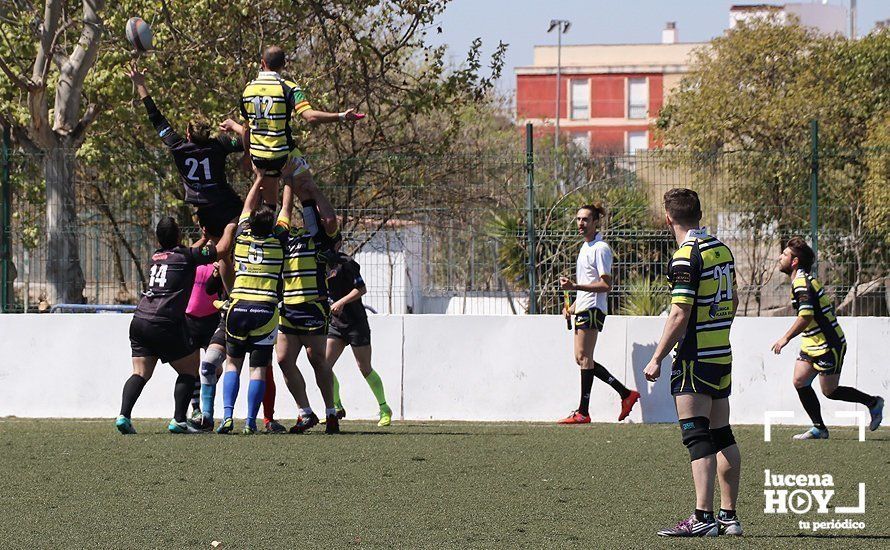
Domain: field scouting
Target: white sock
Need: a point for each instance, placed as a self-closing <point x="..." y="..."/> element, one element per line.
<point x="330" y="412"/>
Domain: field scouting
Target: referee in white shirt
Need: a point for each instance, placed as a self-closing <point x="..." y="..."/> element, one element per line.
<point x="593" y="282"/>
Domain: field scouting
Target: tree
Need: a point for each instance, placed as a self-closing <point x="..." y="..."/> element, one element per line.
<point x="741" y="121"/>
<point x="366" y="53"/>
<point x="59" y="68"/>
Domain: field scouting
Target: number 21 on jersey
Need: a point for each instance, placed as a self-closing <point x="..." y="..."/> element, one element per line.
<point x="723" y="276"/>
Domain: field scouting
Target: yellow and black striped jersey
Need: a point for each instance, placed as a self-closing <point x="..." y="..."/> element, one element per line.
<point x="268" y="103"/>
<point x="258" y="263"/>
<point x="303" y="275"/>
<point x="810" y="300"/>
<point x="702" y="274"/>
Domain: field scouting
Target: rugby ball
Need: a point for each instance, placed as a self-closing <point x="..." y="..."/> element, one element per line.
<point x="139" y="34"/>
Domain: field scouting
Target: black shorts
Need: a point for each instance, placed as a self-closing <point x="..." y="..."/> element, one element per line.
<point x="592" y="318"/>
<point x="830" y="362"/>
<point x="251" y="326"/>
<point x="305" y="319"/>
<point x="355" y="334"/>
<point x="219" y="336"/>
<point x="215" y="217"/>
<point x="165" y="339"/>
<point x="202" y="329"/>
<point x="697" y="377"/>
<point x="270" y="167"/>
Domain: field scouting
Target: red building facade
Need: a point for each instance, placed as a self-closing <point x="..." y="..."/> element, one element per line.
<point x="609" y="94"/>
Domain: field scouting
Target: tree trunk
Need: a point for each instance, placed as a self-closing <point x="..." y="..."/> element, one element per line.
<point x="64" y="277"/>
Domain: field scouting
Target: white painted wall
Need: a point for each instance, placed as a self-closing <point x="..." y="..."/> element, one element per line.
<point x="434" y="367"/>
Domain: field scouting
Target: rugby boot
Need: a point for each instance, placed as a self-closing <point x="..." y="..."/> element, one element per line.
<point x="628" y="403"/>
<point x="575" y="418"/>
<point x="813" y="433"/>
<point x="692" y="527"/>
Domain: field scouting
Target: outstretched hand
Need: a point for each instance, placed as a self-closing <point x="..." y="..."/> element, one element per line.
<point x="351" y="116"/>
<point x="137" y="76"/>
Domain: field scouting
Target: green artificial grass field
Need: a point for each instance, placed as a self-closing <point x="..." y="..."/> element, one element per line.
<point x="80" y="484"/>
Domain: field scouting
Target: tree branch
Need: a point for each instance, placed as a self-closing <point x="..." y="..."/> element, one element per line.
<point x="90" y="116"/>
<point x="20" y="134"/>
<point x="16" y="79"/>
<point x="74" y="72"/>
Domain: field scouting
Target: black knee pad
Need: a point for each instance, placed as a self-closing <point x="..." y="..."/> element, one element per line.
<point x="722" y="438"/>
<point x="697" y="437"/>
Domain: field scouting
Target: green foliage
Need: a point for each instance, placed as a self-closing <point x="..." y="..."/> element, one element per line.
<point x="743" y="116"/>
<point x="644" y="296"/>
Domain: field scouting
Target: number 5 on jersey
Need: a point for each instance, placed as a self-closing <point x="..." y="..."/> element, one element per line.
<point x="255" y="254"/>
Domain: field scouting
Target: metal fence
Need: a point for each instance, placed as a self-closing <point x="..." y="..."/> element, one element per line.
<point x="450" y="234"/>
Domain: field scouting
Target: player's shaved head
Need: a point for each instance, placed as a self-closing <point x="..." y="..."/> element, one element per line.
<point x="683" y="206"/>
<point x="167" y="232"/>
<point x="273" y="58"/>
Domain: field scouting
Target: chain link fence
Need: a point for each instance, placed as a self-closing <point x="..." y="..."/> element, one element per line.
<point x="449" y="234"/>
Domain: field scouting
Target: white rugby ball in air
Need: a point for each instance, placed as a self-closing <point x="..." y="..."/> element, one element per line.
<point x="139" y="34"/>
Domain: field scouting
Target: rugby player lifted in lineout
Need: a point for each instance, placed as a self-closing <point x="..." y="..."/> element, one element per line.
<point x="201" y="161"/>
<point x="268" y="103"/>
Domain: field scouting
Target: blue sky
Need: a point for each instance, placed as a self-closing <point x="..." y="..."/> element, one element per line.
<point x="523" y="23"/>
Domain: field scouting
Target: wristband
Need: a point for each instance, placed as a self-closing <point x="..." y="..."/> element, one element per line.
<point x="342" y="117"/>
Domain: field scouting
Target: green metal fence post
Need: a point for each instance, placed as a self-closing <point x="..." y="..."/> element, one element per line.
<point x="814" y="189"/>
<point x="5" y="233"/>
<point x="530" y="219"/>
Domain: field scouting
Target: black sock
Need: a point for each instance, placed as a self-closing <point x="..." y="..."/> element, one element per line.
<point x="586" y="384"/>
<point x="703" y="515"/>
<point x="600" y="372"/>
<point x="182" y="394"/>
<point x="846" y="393"/>
<point x="196" y="395"/>
<point x="811" y="404"/>
<point x="726" y="514"/>
<point x="132" y="388"/>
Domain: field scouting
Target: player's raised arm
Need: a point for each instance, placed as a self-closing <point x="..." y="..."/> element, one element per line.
<point x="287" y="203"/>
<point x="253" y="198"/>
<point x="319" y="117"/>
<point x="158" y="120"/>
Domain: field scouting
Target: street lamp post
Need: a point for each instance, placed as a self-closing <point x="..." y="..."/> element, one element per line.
<point x="561" y="26"/>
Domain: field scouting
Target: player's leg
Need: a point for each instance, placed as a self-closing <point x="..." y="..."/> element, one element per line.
<point x="335" y="346"/>
<point x="829" y="381"/>
<point x="288" y="349"/>
<point x="363" y="360"/>
<point x="211" y="369"/>
<point x="270" y="424"/>
<point x="260" y="363"/>
<point x="804" y="374"/>
<point x="584" y="343"/>
<point x="316" y="346"/>
<point x="318" y="213"/>
<point x="628" y="397"/>
<point x="729" y="467"/>
<point x="187" y="373"/>
<point x="231" y="385"/>
<point x="143" y="368"/>
<point x="693" y="410"/>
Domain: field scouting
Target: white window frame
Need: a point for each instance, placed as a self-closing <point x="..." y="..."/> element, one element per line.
<point x="627" y="137"/>
<point x="586" y="107"/>
<point x="627" y="104"/>
<point x="578" y="136"/>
